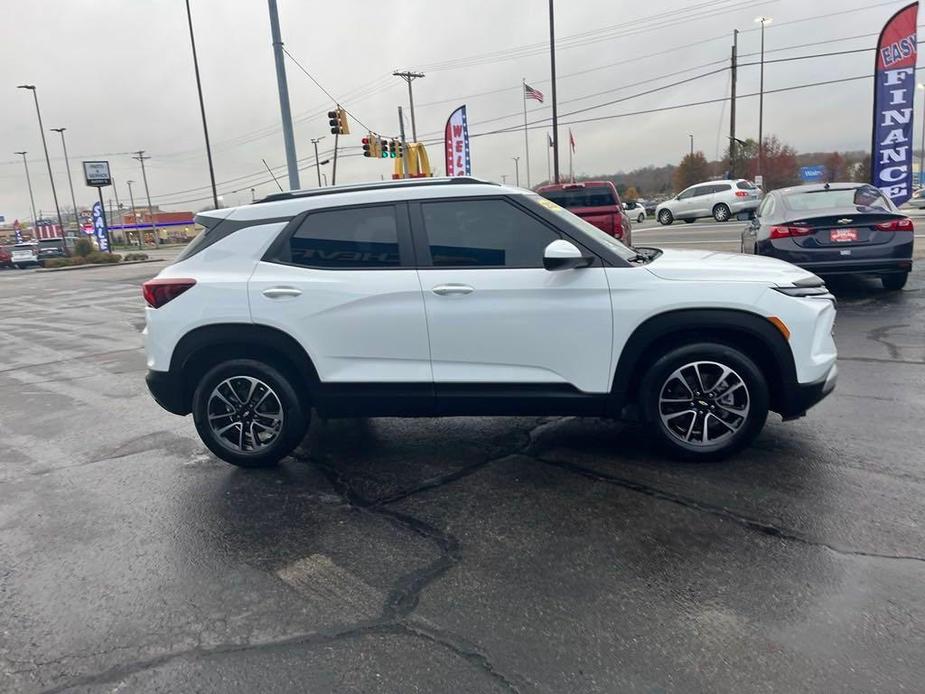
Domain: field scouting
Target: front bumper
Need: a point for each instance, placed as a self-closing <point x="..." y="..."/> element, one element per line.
<point x="805" y="395"/>
<point x="168" y="392"/>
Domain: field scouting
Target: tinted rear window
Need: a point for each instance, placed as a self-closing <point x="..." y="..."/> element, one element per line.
<point x="745" y="185"/>
<point x="865" y="196"/>
<point x="581" y="197"/>
<point x="722" y="188"/>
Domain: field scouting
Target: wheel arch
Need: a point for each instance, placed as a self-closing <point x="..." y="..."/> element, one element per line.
<point x="752" y="334"/>
<point x="204" y="347"/>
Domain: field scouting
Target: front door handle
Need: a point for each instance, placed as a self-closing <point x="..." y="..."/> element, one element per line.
<point x="448" y="289"/>
<point x="281" y="292"/>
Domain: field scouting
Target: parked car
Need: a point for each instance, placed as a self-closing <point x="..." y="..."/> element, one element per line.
<point x="25" y="254"/>
<point x="651" y="205"/>
<point x="918" y="199"/>
<point x="834" y="229"/>
<point x="595" y="201"/>
<point x="6" y="257"/>
<point x="455" y="296"/>
<point x="635" y="211"/>
<point x="718" y="199"/>
<point x="51" y="248"/>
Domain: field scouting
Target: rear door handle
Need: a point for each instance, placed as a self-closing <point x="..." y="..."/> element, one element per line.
<point x="448" y="289"/>
<point x="281" y="292"/>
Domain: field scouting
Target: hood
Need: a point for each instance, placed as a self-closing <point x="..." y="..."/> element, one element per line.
<point x="689" y="265"/>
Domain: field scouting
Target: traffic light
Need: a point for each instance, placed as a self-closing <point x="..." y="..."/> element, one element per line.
<point x="371" y="147"/>
<point x="366" y="150"/>
<point x="338" y="122"/>
<point x="384" y="148"/>
<point x="394" y="148"/>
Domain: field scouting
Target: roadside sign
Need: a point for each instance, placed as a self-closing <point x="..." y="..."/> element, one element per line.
<point x="99" y="227"/>
<point x="759" y="181"/>
<point x="97" y="174"/>
<point x="812" y="174"/>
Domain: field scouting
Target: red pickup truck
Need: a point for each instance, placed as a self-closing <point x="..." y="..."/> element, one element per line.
<point x="596" y="202"/>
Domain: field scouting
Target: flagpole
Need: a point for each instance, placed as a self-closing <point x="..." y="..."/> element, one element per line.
<point x="523" y="95"/>
<point x="549" y="154"/>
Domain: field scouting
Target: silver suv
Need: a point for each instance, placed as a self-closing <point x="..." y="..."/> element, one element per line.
<point x="718" y="199"/>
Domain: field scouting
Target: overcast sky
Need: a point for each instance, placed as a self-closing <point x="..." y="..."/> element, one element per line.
<point x="118" y="75"/>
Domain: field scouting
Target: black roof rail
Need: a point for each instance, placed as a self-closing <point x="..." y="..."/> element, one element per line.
<point x="376" y="185"/>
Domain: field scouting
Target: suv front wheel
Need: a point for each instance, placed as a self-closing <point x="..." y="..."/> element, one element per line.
<point x="248" y="413"/>
<point x="704" y="401"/>
<point x="665" y="217"/>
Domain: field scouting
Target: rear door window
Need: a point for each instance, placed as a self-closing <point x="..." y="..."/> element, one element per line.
<point x="702" y="190"/>
<point x="363" y="238"/>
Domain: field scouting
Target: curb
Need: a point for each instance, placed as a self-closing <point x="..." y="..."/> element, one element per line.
<point x="93" y="266"/>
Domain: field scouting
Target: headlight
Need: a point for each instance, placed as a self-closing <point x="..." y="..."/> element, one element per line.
<point x="804" y="291"/>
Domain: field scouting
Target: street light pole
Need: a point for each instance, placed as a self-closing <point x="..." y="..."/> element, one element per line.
<point x="202" y="106"/>
<point x="292" y="163"/>
<point x="516" y="170"/>
<point x="315" y="141"/>
<point x="131" y="199"/>
<point x="29" y="183"/>
<point x="692" y="145"/>
<point x="51" y="178"/>
<point x="409" y="77"/>
<point x="555" y="108"/>
<point x="763" y="21"/>
<point x="70" y="182"/>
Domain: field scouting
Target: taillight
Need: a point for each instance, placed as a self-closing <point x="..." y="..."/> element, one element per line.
<point x="741" y="194"/>
<point x="901" y="224"/>
<point x="785" y="232"/>
<point x="158" y="292"/>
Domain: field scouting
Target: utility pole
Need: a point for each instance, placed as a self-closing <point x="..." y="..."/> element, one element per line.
<point x="202" y="106"/>
<point x="516" y="170"/>
<point x="922" y="152"/>
<point x="315" y="141"/>
<point x="763" y="21"/>
<point x="131" y="198"/>
<point x="253" y="195"/>
<point x="404" y="143"/>
<point x="732" y="104"/>
<point x="409" y="77"/>
<point x="70" y="182"/>
<point x="504" y="179"/>
<point x="51" y="178"/>
<point x="285" y="113"/>
<point x="29" y="183"/>
<point x="555" y="107"/>
<point x="144" y="177"/>
<point x="692" y="144"/>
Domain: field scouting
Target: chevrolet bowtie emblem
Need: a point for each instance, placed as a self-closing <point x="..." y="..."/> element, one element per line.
<point x="844" y="220"/>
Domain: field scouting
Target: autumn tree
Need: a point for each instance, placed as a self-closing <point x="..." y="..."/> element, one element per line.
<point x="746" y="152"/>
<point x="692" y="169"/>
<point x="835" y="168"/>
<point x="779" y="168"/>
<point x="630" y="194"/>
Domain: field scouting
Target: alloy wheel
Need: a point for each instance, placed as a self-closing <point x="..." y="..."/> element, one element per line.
<point x="245" y="414"/>
<point x="703" y="403"/>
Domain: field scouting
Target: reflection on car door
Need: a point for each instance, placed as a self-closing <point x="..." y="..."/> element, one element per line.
<point x="494" y="314"/>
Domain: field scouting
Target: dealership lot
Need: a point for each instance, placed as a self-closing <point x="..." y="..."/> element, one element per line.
<point x="553" y="554"/>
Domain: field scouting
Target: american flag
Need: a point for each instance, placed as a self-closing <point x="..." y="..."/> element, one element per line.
<point x="531" y="93"/>
<point x="571" y="139"/>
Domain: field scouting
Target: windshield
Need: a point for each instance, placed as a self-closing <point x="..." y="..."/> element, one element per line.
<point x="24" y="247"/>
<point x="583" y="228"/>
<point x="581" y="197"/>
<point x="864" y="196"/>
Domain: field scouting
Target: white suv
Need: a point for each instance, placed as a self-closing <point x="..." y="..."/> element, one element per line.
<point x="718" y="199"/>
<point x="439" y="297"/>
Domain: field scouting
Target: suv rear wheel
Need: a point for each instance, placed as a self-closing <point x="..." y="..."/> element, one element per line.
<point x="894" y="282"/>
<point x="248" y="413"/>
<point x="704" y="401"/>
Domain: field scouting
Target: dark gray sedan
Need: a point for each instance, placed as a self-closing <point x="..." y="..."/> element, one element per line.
<point x="834" y="229"/>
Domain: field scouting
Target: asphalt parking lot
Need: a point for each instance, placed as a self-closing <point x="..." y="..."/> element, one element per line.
<point x="528" y="555"/>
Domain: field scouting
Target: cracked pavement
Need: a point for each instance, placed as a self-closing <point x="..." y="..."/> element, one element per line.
<point x="511" y="555"/>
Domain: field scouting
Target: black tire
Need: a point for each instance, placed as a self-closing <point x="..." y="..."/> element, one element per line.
<point x="665" y="217"/>
<point x="721" y="212"/>
<point x="640" y="219"/>
<point x="705" y="407"/>
<point x="18" y="266"/>
<point x="894" y="282"/>
<point x="294" y="414"/>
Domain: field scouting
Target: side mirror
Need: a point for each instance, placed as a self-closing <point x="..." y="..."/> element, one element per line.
<point x="564" y="255"/>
